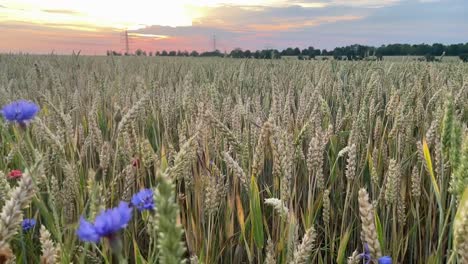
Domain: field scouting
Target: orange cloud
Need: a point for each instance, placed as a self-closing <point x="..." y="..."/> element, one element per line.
<point x="45" y="39"/>
<point x="287" y="24"/>
<point x="62" y="11"/>
<point x="147" y="36"/>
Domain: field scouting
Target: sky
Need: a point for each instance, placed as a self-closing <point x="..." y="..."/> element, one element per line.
<point x="94" y="26"/>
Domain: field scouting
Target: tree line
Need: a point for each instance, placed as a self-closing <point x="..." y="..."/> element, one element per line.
<point x="355" y="51"/>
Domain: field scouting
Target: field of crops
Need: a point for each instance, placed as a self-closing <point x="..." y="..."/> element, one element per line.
<point x="161" y="160"/>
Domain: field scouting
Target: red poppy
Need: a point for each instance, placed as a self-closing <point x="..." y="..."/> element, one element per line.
<point x="15" y="174"/>
<point x="136" y="163"/>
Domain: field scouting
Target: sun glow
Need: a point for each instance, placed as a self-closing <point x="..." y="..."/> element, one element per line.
<point x="152" y="36"/>
<point x="92" y="15"/>
<point x="117" y="14"/>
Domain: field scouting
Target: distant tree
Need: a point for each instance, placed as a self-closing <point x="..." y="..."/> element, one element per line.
<point x="150" y="53"/>
<point x="437" y="49"/>
<point x="247" y="54"/>
<point x="180" y="53"/>
<point x="164" y="53"/>
<point x="113" y="53"/>
<point x="287" y="52"/>
<point x="419" y="50"/>
<point x="194" y="54"/>
<point x="215" y="53"/>
<point x="353" y="52"/>
<point x="265" y="54"/>
<point x="464" y="57"/>
<point x="237" y="53"/>
<point x="317" y="52"/>
<point x="275" y="54"/>
<point x="256" y="54"/>
<point x="311" y="52"/>
<point x="172" y="53"/>
<point x="157" y="53"/>
<point x="453" y="50"/>
<point x="296" y="52"/>
<point x="138" y="52"/>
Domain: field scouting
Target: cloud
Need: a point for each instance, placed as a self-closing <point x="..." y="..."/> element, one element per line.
<point x="241" y="18"/>
<point x="254" y="28"/>
<point x="407" y="22"/>
<point x="62" y="11"/>
<point x="23" y="37"/>
<point x="300" y="23"/>
<point x="257" y="25"/>
<point x="364" y="3"/>
<point x="328" y="27"/>
<point x="301" y="3"/>
<point x="149" y="36"/>
<point x="309" y="4"/>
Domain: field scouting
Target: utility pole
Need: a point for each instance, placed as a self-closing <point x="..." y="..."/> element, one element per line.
<point x="127" y="48"/>
<point x="214" y="42"/>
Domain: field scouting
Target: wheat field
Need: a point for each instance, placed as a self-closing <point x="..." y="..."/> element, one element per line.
<point x="243" y="161"/>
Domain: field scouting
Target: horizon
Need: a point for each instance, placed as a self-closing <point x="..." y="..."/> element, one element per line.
<point x="93" y="28"/>
<point x="153" y="52"/>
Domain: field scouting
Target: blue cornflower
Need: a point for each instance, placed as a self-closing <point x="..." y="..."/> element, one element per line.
<point x="385" y="260"/>
<point x="143" y="200"/>
<point x="87" y="232"/>
<point x="28" y="224"/>
<point x="366" y="256"/>
<point x="20" y="111"/>
<point x="106" y="224"/>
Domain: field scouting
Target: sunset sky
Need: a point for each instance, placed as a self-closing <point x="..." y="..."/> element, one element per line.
<point x="94" y="26"/>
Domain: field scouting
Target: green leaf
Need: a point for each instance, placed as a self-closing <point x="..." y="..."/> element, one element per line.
<point x="459" y="221"/>
<point x="256" y="212"/>
<point x="136" y="252"/>
<point x="342" y="249"/>
<point x="433" y="258"/>
<point x="378" y="227"/>
<point x="427" y="157"/>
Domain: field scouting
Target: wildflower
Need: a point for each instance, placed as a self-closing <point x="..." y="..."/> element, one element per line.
<point x="20" y="111"/>
<point x="106" y="224"/>
<point x="143" y="200"/>
<point x="87" y="232"/>
<point x="385" y="260"/>
<point x="136" y="162"/>
<point x="15" y="174"/>
<point x="366" y="256"/>
<point x="28" y="224"/>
